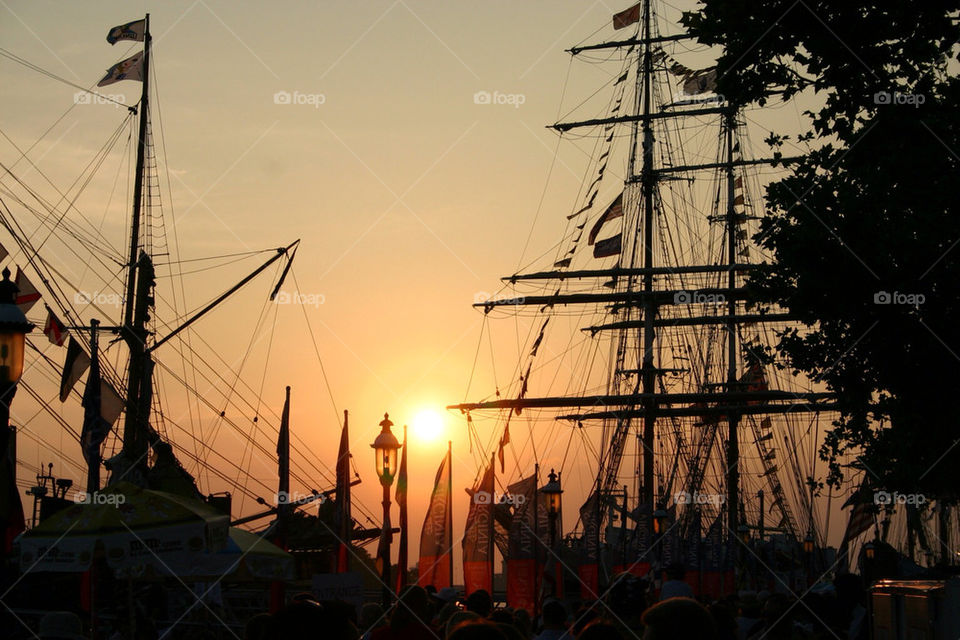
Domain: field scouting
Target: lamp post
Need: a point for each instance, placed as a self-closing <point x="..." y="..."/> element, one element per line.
<point x="385" y="452"/>
<point x="13" y="330"/>
<point x="552" y="492"/>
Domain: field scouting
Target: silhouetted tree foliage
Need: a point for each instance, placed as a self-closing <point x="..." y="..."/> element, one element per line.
<point x="869" y="221"/>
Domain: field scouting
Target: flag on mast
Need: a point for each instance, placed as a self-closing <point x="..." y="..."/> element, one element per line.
<point x="344" y="521"/>
<point x="627" y="17"/>
<point x="436" y="538"/>
<point x="129" y="69"/>
<point x="76" y="363"/>
<point x="55" y="331"/>
<point x="95" y="428"/>
<point x="130" y="31"/>
<point x="401" y="497"/>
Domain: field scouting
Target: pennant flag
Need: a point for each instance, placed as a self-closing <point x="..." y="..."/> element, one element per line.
<point x="504" y="440"/>
<point x="129" y="69"/>
<point x="536" y="343"/>
<point x="401" y="497"/>
<point x="615" y="210"/>
<point x="562" y="264"/>
<point x="3" y="253"/>
<point x="95" y="428"/>
<point x="76" y="363"/>
<point x="111" y="404"/>
<point x="589" y="568"/>
<point x="436" y="538"/>
<point x="28" y="294"/>
<point x="522" y="544"/>
<point x="344" y="520"/>
<point x="608" y="247"/>
<point x="54" y="330"/>
<point x="130" y="31"/>
<point x="478" y="536"/>
<point x="627" y="17"/>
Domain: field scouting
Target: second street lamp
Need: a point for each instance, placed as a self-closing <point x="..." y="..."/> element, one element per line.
<point x="13" y="331"/>
<point x="552" y="492"/>
<point x="385" y="452"/>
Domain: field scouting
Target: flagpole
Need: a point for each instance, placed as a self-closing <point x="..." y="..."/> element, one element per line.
<point x="135" y="311"/>
<point x="536" y="534"/>
<point x="493" y="485"/>
<point x="93" y="464"/>
<point x="449" y="509"/>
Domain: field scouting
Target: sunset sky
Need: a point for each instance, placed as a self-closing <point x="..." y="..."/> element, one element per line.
<point x="410" y="200"/>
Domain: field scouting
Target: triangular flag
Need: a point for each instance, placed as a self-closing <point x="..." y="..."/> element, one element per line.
<point x="76" y="363"/>
<point x="3" y="252"/>
<point x="130" y="31"/>
<point x="129" y="69"/>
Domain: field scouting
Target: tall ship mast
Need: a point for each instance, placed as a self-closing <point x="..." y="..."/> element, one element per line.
<point x="672" y="366"/>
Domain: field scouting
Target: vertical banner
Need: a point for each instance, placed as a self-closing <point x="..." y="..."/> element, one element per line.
<point x="436" y="538"/>
<point x="692" y="553"/>
<point x="588" y="567"/>
<point x="522" y="546"/>
<point x="401" y="497"/>
<point x="344" y="520"/>
<point x="713" y="556"/>
<point x="478" y="537"/>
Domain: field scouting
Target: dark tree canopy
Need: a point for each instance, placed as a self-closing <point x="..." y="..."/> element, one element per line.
<point x="864" y="230"/>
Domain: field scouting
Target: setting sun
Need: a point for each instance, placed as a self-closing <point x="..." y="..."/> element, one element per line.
<point x="428" y="425"/>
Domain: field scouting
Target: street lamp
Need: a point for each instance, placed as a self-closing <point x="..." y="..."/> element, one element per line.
<point x="659" y="519"/>
<point x="552" y="492"/>
<point x="743" y="532"/>
<point x="870" y="550"/>
<point x="385" y="453"/>
<point x="808" y="543"/>
<point x="13" y="331"/>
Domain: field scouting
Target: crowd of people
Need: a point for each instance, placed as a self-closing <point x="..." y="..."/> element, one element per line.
<point x="630" y="609"/>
